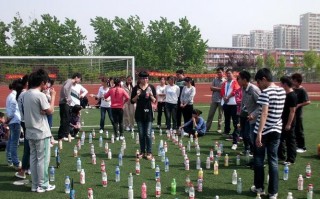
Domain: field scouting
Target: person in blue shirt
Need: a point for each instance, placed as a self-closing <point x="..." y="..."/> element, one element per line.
<point x="195" y="124"/>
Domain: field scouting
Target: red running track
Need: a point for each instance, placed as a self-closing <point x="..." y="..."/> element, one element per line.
<point x="203" y="92"/>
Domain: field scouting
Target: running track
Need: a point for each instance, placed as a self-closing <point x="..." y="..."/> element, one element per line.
<point x="203" y="93"/>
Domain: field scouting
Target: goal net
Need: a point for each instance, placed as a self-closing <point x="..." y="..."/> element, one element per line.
<point x="61" y="68"/>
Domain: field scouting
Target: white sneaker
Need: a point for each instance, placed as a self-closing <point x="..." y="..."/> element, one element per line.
<point x="101" y="131"/>
<point x="234" y="147"/>
<point x="40" y="190"/>
<point x="255" y="190"/>
<point x="65" y="139"/>
<point x="50" y="187"/>
<point x="219" y="131"/>
<point x="121" y="137"/>
<point x="127" y="128"/>
<point x="299" y="150"/>
<point x="273" y="196"/>
<point x="72" y="138"/>
<point x="117" y="138"/>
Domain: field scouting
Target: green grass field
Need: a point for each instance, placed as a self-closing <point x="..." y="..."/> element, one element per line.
<point x="213" y="184"/>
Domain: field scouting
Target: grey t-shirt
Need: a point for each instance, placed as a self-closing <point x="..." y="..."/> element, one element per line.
<point x="65" y="92"/>
<point x="36" y="123"/>
<point x="216" y="96"/>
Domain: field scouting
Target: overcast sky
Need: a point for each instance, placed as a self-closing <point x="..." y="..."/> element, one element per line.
<point x="216" y="19"/>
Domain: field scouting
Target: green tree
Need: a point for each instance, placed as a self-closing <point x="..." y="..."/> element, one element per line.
<point x="270" y="62"/>
<point x="310" y="59"/>
<point x="20" y="35"/>
<point x="282" y="66"/>
<point x="260" y="62"/>
<point x="4" y="46"/>
<point x="296" y="62"/>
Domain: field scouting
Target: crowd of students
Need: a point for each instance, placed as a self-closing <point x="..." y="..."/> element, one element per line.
<point x="267" y="117"/>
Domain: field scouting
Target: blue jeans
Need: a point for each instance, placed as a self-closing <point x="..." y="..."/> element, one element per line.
<point x="12" y="145"/>
<point x="145" y="138"/>
<point x="103" y="111"/>
<point x="50" y="120"/>
<point x="270" y="144"/>
<point x="247" y="133"/>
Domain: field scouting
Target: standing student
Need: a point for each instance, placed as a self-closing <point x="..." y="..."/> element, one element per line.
<point x="78" y="92"/>
<point x="143" y="94"/>
<point x="161" y="100"/>
<point x="187" y="99"/>
<point x="4" y="132"/>
<point x="128" y="111"/>
<point x="105" y="103"/>
<point x="172" y="93"/>
<point x="180" y="82"/>
<point x="38" y="132"/>
<point x="287" y="147"/>
<point x="118" y="98"/>
<point x="64" y="105"/>
<point x="14" y="120"/>
<point x="216" y="100"/>
<point x="267" y="132"/>
<point x="303" y="100"/>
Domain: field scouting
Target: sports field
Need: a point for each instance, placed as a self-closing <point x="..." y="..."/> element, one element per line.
<point x="213" y="184"/>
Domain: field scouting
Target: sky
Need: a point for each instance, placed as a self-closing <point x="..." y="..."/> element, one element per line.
<point x="217" y="20"/>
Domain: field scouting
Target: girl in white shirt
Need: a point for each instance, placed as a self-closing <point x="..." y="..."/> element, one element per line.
<point x="161" y="100"/>
<point x="186" y="99"/>
<point x="172" y="92"/>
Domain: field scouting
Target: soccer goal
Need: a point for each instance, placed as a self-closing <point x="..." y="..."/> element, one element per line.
<point x="61" y="68"/>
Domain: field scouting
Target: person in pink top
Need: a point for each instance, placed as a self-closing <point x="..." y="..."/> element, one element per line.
<point x="118" y="98"/>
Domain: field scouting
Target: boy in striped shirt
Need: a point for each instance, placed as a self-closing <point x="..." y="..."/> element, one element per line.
<point x="267" y="132"/>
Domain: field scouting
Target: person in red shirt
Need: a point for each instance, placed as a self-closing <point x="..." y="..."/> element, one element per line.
<point x="229" y="104"/>
<point x="118" y="98"/>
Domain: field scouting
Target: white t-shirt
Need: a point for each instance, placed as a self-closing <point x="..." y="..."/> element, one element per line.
<point x="104" y="102"/>
<point x="160" y="90"/>
<point x="172" y="94"/>
<point x="77" y="91"/>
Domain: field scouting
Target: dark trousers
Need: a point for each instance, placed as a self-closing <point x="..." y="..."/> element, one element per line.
<point x="287" y="145"/>
<point x="161" y="109"/>
<point x="64" y="120"/>
<point x="230" y="111"/>
<point x="179" y="114"/>
<point x="26" y="150"/>
<point x="187" y="112"/>
<point x="246" y="132"/>
<point x="171" y="112"/>
<point x="117" y="115"/>
<point x="299" y="133"/>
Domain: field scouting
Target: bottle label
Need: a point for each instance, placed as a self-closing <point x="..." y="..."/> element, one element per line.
<point x="104" y="182"/>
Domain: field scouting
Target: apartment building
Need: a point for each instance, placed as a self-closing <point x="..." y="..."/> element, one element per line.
<point x="310" y="31"/>
<point x="286" y="36"/>
<point x="261" y="39"/>
<point x="240" y="40"/>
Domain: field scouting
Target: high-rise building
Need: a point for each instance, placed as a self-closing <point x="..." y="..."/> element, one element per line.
<point x="261" y="39"/>
<point x="240" y="40"/>
<point x="310" y="31"/>
<point x="286" y="36"/>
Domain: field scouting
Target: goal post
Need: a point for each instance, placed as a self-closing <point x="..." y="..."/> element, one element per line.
<point x="62" y="67"/>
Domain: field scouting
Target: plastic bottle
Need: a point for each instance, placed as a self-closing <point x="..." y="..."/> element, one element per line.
<point x="187" y="166"/>
<point x="83" y="137"/>
<point x="93" y="133"/>
<point x="160" y="131"/>
<point x="130" y="193"/>
<point x="132" y="134"/>
<point x="166" y="165"/>
<point x="289" y="195"/>
<point x="165" y="146"/>
<point x="208" y="163"/>
<point x="286" y="172"/>
<point x="200" y="173"/>
<point x="100" y="141"/>
<point x="310" y="191"/>
<point x="90" y="138"/>
<point x="226" y="160"/>
<point x="106" y="147"/>
<point x="79" y="145"/>
<point x="217" y="197"/>
<point x="112" y="139"/>
<point x="69" y="137"/>
<point x="117" y="179"/>
<point x="308" y="171"/>
<point x="82" y="177"/>
<point x="90" y="193"/>
<point x="104" y="179"/>
<point x="92" y="149"/>
<point x="78" y="165"/>
<point x="191" y="192"/>
<point x="211" y="155"/>
<point x="221" y="147"/>
<point x="130" y="180"/>
<point x="102" y="166"/>
<point x="198" y="150"/>
<point x="198" y="163"/>
<point x="239" y="186"/>
<point x="56" y="151"/>
<point x="258" y="196"/>
<point x="163" y="156"/>
<point x="120" y="159"/>
<point x="199" y="185"/>
<point x="234" y="177"/>
<point x="144" y="191"/>
<point x="137" y="138"/>
<point x="137" y="167"/>
<point x="58" y="160"/>
<point x="109" y="154"/>
<point x="75" y="151"/>
<point x="107" y="134"/>
<point x="216" y="168"/>
<point x="52" y="174"/>
<point x="189" y="146"/>
<point x="67" y="185"/>
<point x="238" y="160"/>
<point x="183" y="150"/>
<point x="191" y="138"/>
<point x="158" y="189"/>
<point x="300" y="183"/>
<point x="173" y="187"/>
<point x="153" y="163"/>
<point x="187" y="184"/>
<point x="157" y="172"/>
<point x="247" y="156"/>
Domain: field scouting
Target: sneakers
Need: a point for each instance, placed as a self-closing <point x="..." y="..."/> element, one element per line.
<point x="28" y="172"/>
<point x="10" y="164"/>
<point x="18" y="167"/>
<point x="219" y="131"/>
<point x="287" y="163"/>
<point x="21" y="174"/>
<point x="273" y="196"/>
<point x="41" y="189"/>
<point x="101" y="131"/>
<point x="255" y="190"/>
<point x="117" y="138"/>
<point x="300" y="150"/>
<point x="65" y="139"/>
<point x="127" y="128"/>
<point x="234" y="147"/>
<point x="121" y="137"/>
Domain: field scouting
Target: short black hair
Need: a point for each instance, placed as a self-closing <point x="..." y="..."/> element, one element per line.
<point x="229" y="69"/>
<point x="24" y="79"/>
<point x="51" y="81"/>
<point x="76" y="109"/>
<point x="143" y="74"/>
<point x="297" y="77"/>
<point x="37" y="77"/>
<point x="116" y="81"/>
<point x="78" y="75"/>
<point x="245" y="75"/>
<point x="264" y="73"/>
<point x="171" y="77"/>
<point x="180" y="71"/>
<point x="220" y="69"/>
<point x="1" y="114"/>
<point x="196" y="111"/>
<point x="286" y="80"/>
